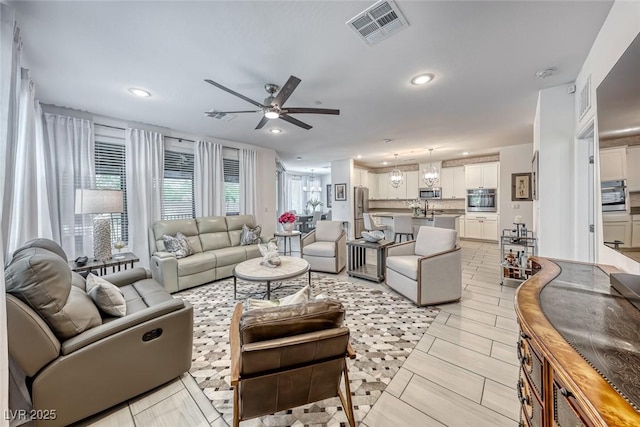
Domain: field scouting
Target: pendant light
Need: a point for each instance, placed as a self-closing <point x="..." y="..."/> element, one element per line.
<point x="395" y="176"/>
<point x="312" y="188"/>
<point x="430" y="174"/>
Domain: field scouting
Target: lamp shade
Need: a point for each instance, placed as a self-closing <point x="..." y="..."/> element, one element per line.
<point x="98" y="201"/>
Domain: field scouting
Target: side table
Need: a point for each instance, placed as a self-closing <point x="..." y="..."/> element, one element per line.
<point x="357" y="265"/>
<point x="287" y="235"/>
<point x="125" y="259"/>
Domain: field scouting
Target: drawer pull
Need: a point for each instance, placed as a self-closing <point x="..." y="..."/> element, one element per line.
<point x="524" y="335"/>
<point x="565" y="392"/>
<point x="524" y="400"/>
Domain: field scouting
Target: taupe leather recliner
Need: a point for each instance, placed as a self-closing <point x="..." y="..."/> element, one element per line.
<point x="284" y="357"/>
<point x="78" y="361"/>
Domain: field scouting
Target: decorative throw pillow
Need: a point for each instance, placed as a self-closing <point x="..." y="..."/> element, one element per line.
<point x="106" y="296"/>
<point x="184" y="242"/>
<point x="300" y="297"/>
<point x="173" y="245"/>
<point x="250" y="236"/>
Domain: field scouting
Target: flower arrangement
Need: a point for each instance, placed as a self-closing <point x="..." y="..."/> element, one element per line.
<point x="415" y="204"/>
<point x="287" y="217"/>
<point x="314" y="203"/>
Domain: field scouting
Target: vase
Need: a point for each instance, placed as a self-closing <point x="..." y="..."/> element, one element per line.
<point x="287" y="226"/>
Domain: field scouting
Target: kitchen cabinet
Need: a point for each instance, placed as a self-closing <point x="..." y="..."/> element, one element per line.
<point x="484" y="227"/>
<point x="383" y="186"/>
<point x="633" y="173"/>
<point x="412" y="178"/>
<point x="613" y="163"/>
<point x="461" y="226"/>
<point x="360" y="178"/>
<point x="373" y="186"/>
<point x="617" y="227"/>
<point x="635" y="234"/>
<point x="482" y="175"/>
<point x="452" y="181"/>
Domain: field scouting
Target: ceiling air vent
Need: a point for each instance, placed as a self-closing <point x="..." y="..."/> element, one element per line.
<point x="378" y="22"/>
<point x="226" y="117"/>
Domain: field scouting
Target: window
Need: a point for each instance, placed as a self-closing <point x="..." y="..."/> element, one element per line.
<point x="110" y="175"/>
<point x="177" y="187"/>
<point x="296" y="195"/>
<point x="232" y="186"/>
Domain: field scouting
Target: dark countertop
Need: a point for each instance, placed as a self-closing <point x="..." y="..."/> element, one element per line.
<point x="599" y="323"/>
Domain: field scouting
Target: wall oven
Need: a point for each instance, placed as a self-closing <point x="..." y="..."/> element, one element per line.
<point x="613" y="195"/>
<point x="430" y="193"/>
<point x="482" y="200"/>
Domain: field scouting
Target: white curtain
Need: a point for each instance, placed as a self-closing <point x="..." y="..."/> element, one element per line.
<point x="70" y="144"/>
<point x="248" y="181"/>
<point x="145" y="169"/>
<point x="30" y="216"/>
<point x="209" y="179"/>
<point x="9" y="66"/>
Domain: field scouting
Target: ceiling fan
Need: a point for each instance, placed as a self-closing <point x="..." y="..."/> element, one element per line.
<point x="273" y="106"/>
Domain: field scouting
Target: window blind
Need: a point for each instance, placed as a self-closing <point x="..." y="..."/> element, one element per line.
<point x="232" y="186"/>
<point x="178" y="201"/>
<point x="110" y="175"/>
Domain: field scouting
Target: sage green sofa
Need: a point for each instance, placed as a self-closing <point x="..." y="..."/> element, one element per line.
<point x="215" y="241"/>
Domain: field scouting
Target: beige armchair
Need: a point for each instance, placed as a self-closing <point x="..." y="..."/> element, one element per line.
<point x="427" y="270"/>
<point x="284" y="357"/>
<point x="325" y="248"/>
<point x="79" y="361"/>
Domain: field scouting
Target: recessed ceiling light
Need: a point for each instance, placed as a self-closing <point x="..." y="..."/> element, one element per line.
<point x="140" y="92"/>
<point x="384" y="163"/>
<point x="422" y="79"/>
<point x="359" y="156"/>
<point x="275" y="130"/>
<point x="465" y="153"/>
<point x="545" y="72"/>
<point x="298" y="158"/>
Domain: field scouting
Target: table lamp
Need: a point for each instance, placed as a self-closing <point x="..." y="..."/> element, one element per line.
<point x="101" y="202"/>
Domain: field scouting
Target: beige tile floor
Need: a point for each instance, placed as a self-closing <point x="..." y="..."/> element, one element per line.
<point x="462" y="373"/>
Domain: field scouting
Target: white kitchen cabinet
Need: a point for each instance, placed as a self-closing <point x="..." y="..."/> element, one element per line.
<point x="360" y="178"/>
<point x="621" y="231"/>
<point x="635" y="234"/>
<point x="412" y="179"/>
<point x="383" y="186"/>
<point x="461" y="226"/>
<point x="452" y="181"/>
<point x="613" y="163"/>
<point x="483" y="227"/>
<point x="482" y="175"/>
<point x="373" y="186"/>
<point x="633" y="173"/>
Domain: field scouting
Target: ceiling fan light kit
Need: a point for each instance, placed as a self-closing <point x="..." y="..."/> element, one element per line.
<point x="273" y="106"/>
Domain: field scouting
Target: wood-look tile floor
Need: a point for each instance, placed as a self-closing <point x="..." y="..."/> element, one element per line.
<point x="462" y="373"/>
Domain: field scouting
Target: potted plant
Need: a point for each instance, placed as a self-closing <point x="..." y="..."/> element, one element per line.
<point x="314" y="204"/>
<point x="287" y="220"/>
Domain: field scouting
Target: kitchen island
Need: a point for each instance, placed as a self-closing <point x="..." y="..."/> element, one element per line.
<point x="440" y="218"/>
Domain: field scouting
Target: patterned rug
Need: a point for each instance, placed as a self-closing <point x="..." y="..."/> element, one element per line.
<point x="384" y="330"/>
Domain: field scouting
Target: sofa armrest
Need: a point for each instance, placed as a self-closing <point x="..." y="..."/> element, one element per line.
<point x="308" y="239"/>
<point x="440" y="277"/>
<point x="235" y="345"/>
<point x="399" y="249"/>
<point x="121" y="324"/>
<point x="164" y="270"/>
<point x="127" y="277"/>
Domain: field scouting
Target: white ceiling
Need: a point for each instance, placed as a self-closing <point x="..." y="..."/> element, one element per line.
<point x="484" y="54"/>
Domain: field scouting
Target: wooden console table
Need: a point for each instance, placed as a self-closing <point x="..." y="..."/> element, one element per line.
<point x="578" y="349"/>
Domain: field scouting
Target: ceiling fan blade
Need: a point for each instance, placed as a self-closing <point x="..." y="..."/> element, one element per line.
<point x="233" y="92"/>
<point x="295" y="121"/>
<point x="286" y="91"/>
<point x="213" y="113"/>
<point x="301" y="110"/>
<point x="262" y="122"/>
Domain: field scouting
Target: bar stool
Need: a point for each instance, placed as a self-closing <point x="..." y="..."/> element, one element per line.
<point x="370" y="224"/>
<point x="402" y="226"/>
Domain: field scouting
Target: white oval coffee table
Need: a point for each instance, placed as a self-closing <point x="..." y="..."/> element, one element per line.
<point x="252" y="271"/>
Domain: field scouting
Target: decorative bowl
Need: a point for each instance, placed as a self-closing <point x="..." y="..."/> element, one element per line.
<point x="373" y="236"/>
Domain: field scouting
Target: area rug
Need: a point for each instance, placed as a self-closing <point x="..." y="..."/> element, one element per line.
<point x="384" y="330"/>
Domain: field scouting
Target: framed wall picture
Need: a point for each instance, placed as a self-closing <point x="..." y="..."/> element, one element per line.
<point x="521" y="188"/>
<point x="534" y="179"/>
<point x="341" y="192"/>
<point x="329" y="195"/>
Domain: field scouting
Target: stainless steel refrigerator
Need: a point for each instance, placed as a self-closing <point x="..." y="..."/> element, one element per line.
<point x="360" y="206"/>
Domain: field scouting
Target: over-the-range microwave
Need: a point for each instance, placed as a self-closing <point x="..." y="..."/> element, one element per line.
<point x="430" y="193"/>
